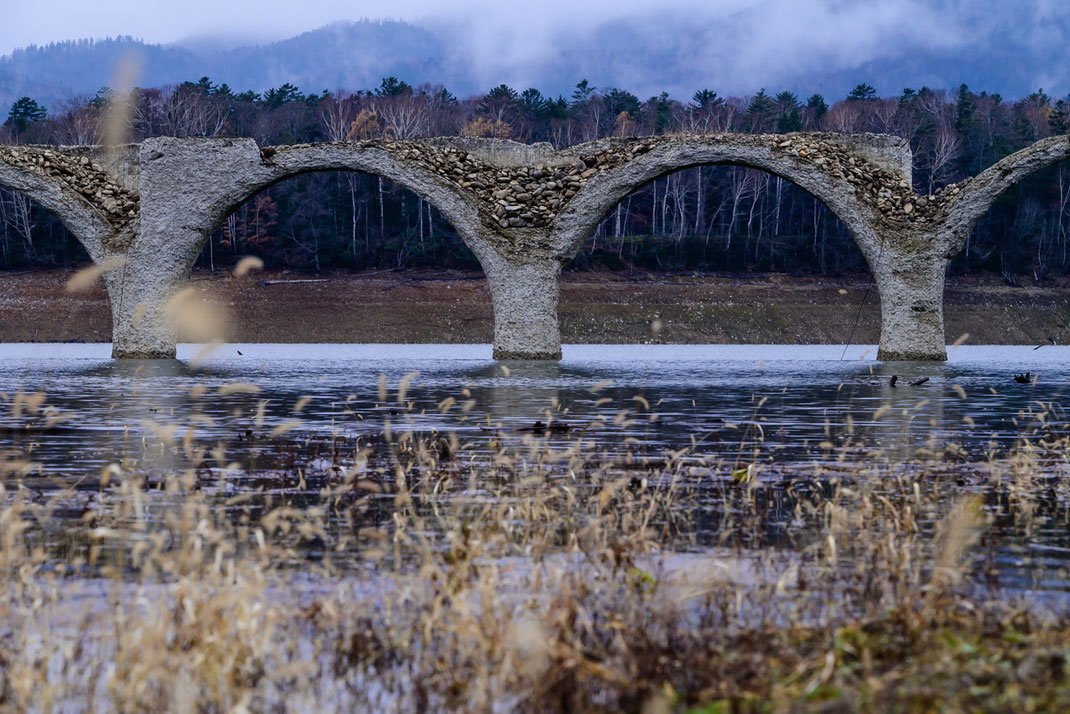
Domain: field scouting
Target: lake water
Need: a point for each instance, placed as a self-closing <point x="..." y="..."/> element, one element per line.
<point x="795" y="397"/>
<point x="784" y="409"/>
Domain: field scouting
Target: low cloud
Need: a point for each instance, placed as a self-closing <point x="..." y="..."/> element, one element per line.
<point x="731" y="46"/>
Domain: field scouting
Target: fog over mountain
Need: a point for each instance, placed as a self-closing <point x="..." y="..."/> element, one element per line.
<point x="734" y="47"/>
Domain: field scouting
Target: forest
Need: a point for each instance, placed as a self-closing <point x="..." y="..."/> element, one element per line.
<point x="717" y="218"/>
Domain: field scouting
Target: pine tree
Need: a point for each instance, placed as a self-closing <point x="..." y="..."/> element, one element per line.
<point x="966" y="126"/>
<point x="618" y="100"/>
<point x="1058" y="119"/>
<point x="582" y="92"/>
<point x="789" y="121"/>
<point x="503" y="92"/>
<point x="392" y="87"/>
<point x="705" y="98"/>
<point x="816" y="104"/>
<point x="761" y="110"/>
<point x="532" y="101"/>
<point x="659" y="110"/>
<point x="25" y="111"/>
<point x="500" y="104"/>
<point x="862" y="92"/>
<point x="965" y="108"/>
<point x="786" y="101"/>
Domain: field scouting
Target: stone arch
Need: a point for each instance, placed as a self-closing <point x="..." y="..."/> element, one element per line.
<point x="983" y="190"/>
<point x="188" y="186"/>
<point x="76" y="214"/>
<point x="901" y="260"/>
<point x="235" y="182"/>
<point x="601" y="194"/>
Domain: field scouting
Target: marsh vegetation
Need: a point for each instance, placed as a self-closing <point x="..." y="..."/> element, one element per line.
<point x="488" y="537"/>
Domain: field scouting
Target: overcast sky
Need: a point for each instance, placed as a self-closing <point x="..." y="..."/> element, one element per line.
<point x="741" y="43"/>
<point x="45" y="21"/>
<point x="839" y="21"/>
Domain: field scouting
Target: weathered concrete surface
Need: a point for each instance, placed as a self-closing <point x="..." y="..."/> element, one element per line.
<point x="525" y="297"/>
<point x="908" y="268"/>
<point x="524" y="210"/>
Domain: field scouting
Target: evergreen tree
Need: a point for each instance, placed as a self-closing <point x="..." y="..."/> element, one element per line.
<point x="788" y="118"/>
<point x="102" y="98"/>
<point x="789" y="121"/>
<point x="1021" y="128"/>
<point x="617" y="101"/>
<point x="502" y="92"/>
<point x="966" y="126"/>
<point x="659" y="111"/>
<point x="532" y="101"/>
<point x="705" y="98"/>
<point x="500" y="103"/>
<point x="965" y="108"/>
<point x="761" y="110"/>
<point x="25" y="111"/>
<point x="1057" y="120"/>
<point x="786" y="101"/>
<point x="582" y="92"/>
<point x="816" y="104"/>
<point x="275" y="98"/>
<point x="862" y="92"/>
<point x="557" y="109"/>
<point x="392" y="87"/>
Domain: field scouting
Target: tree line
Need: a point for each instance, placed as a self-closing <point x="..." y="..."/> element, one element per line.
<point x="706" y="218"/>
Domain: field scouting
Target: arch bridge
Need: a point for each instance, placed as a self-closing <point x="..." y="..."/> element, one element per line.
<point x="524" y="210"/>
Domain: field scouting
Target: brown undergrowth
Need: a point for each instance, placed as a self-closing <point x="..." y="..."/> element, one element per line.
<point x="414" y="572"/>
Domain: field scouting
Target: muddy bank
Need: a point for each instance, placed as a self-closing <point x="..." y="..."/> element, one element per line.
<point x="595" y="307"/>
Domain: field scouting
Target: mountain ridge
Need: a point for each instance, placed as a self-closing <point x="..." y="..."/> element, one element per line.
<point x="675" y="54"/>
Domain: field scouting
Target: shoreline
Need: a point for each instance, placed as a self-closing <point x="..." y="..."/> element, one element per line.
<point x="596" y="308"/>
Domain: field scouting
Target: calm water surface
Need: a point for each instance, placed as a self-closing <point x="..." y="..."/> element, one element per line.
<point x="793" y="397"/>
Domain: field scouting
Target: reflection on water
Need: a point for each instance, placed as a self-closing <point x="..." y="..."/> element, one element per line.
<point x="793" y="398"/>
<point x="783" y="408"/>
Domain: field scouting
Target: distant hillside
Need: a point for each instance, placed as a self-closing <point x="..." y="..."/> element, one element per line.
<point x="350" y="55"/>
<point x="676" y="53"/>
<point x="58" y="71"/>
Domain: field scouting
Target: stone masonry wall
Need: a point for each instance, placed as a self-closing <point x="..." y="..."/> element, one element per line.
<point x="76" y="170"/>
<point x="514" y="195"/>
<point x="519" y="196"/>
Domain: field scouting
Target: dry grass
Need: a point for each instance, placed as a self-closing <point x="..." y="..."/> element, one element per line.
<point x="415" y="573"/>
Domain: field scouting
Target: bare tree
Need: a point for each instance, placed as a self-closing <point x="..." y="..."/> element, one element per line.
<point x="406" y="115"/>
<point x="336" y="114"/>
<point x="81" y="124"/>
<point x="944" y="150"/>
<point x="187" y="112"/>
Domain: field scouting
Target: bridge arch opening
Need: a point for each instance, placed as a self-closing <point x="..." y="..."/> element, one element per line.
<point x="1018" y="244"/>
<point x="722" y="217"/>
<point x="38" y="255"/>
<point x="744" y="255"/>
<point x="323" y="220"/>
<point x="1025" y="230"/>
<point x="353" y="256"/>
